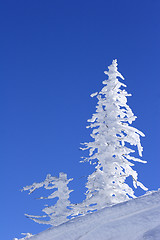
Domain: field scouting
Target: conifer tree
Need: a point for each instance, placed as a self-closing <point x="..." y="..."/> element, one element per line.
<point x="109" y="151"/>
<point x="58" y="213"/>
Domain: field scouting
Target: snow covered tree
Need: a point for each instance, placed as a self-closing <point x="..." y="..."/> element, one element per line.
<point x="59" y="212"/>
<point x="109" y="151"/>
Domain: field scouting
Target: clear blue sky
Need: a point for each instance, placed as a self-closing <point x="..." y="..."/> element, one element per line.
<point x="52" y="57"/>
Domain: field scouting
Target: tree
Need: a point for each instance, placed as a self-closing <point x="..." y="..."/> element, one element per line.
<point x="109" y="151"/>
<point x="59" y="212"/>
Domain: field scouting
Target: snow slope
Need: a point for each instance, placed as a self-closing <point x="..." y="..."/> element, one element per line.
<point x="136" y="219"/>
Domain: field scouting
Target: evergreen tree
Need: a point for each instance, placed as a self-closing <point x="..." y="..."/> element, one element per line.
<point x="109" y="151"/>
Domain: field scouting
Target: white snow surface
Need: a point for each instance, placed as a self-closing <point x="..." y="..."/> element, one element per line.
<point x="136" y="219"/>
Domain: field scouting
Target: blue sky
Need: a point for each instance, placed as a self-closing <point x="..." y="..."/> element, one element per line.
<point x="53" y="54"/>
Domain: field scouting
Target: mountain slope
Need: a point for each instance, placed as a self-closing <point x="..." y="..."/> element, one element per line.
<point x="137" y="219"/>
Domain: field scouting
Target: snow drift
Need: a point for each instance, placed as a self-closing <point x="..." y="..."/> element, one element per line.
<point x="136" y="219"/>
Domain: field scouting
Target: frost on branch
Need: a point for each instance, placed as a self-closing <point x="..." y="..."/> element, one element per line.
<point x="59" y="212"/>
<point x="27" y="236"/>
<point x="113" y="159"/>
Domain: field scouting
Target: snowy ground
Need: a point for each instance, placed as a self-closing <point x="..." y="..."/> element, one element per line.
<point x="137" y="219"/>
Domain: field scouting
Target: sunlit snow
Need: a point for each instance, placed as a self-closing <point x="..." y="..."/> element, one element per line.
<point x="136" y="219"/>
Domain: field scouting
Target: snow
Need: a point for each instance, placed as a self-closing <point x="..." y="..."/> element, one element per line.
<point x="136" y="219"/>
<point x="110" y="211"/>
